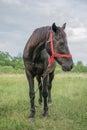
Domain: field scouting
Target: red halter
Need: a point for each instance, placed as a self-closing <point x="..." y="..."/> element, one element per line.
<point x="54" y="54"/>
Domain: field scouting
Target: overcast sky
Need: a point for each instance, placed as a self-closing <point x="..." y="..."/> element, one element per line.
<point x="18" y="19"/>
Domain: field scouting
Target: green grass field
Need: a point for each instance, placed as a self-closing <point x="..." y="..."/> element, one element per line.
<point x="68" y="110"/>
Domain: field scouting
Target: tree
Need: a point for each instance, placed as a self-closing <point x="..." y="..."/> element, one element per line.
<point x="79" y="67"/>
<point x="17" y="61"/>
<point x="5" y="58"/>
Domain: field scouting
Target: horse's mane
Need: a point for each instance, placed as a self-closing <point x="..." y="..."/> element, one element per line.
<point x="38" y="36"/>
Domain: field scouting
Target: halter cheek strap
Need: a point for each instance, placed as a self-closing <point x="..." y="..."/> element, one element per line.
<point x="54" y="54"/>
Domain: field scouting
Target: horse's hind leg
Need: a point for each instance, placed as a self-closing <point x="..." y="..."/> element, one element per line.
<point x="51" y="76"/>
<point x="40" y="89"/>
<point x="31" y="93"/>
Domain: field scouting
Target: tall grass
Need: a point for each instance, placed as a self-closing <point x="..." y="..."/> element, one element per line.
<point x="68" y="110"/>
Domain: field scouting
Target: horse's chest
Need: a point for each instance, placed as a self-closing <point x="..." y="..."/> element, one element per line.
<point x="39" y="71"/>
<point x="36" y="69"/>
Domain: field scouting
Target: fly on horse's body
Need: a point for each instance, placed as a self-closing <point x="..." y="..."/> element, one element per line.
<point x="45" y="46"/>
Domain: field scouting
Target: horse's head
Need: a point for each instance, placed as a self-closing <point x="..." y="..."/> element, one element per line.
<point x="57" y="47"/>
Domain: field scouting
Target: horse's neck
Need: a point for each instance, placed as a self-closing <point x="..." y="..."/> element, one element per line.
<point x="36" y="43"/>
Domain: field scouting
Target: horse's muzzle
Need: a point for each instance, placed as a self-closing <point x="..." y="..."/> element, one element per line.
<point x="67" y="68"/>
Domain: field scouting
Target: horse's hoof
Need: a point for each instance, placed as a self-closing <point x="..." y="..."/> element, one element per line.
<point x="45" y="114"/>
<point x="31" y="119"/>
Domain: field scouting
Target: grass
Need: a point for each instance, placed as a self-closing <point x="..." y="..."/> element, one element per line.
<point x="68" y="110"/>
<point x="10" y="70"/>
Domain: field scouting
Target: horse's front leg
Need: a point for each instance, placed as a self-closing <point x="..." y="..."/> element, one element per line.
<point x="51" y="76"/>
<point x="40" y="89"/>
<point x="45" y="94"/>
<point x="31" y="93"/>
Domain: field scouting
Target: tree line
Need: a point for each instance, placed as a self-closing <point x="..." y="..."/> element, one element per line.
<point x="16" y="62"/>
<point x="7" y="60"/>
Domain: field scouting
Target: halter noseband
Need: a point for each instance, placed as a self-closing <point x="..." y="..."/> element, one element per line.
<point x="54" y="54"/>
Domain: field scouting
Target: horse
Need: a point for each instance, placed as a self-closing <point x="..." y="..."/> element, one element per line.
<point x="46" y="46"/>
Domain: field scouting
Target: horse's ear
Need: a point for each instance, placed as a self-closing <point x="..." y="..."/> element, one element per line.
<point x="64" y="26"/>
<point x="54" y="27"/>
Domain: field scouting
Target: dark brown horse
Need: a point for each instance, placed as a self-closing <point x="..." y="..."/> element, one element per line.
<point x="45" y="46"/>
